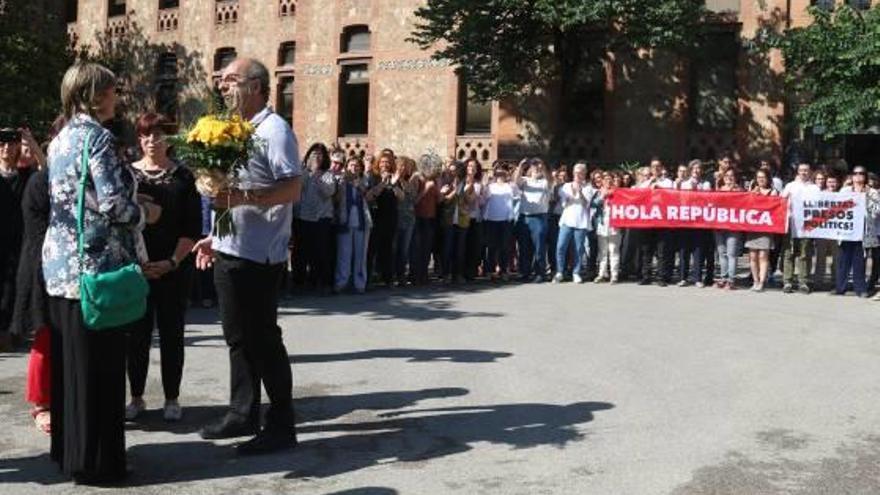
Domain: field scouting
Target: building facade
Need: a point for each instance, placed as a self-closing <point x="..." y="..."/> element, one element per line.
<point x="345" y="73"/>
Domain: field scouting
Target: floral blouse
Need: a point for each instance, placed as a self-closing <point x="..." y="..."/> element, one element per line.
<point x="112" y="216"/>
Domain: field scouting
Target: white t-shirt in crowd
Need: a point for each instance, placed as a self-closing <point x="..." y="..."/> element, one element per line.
<point x="661" y="184"/>
<point x="576" y="210"/>
<point x="499" y="201"/>
<point x="695" y="185"/>
<point x="535" y="197"/>
<point x="777" y="184"/>
<point x="797" y="187"/>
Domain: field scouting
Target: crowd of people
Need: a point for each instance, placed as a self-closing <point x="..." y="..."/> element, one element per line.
<point x="326" y="223"/>
<point x="396" y="221"/>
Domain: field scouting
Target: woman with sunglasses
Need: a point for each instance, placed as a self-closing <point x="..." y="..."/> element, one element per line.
<point x="852" y="253"/>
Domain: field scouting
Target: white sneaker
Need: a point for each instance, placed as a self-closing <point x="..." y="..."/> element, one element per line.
<point x="557" y="278"/>
<point x="135" y="408"/>
<point x="577" y="279"/>
<point x="172" y="411"/>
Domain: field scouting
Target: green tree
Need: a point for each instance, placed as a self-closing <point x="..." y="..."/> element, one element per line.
<point x="508" y="49"/>
<point x="833" y="69"/>
<point x="33" y="56"/>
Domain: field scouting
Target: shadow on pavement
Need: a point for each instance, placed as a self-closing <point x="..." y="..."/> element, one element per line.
<point x="406" y="436"/>
<point x="367" y="490"/>
<point x="414" y="304"/>
<point x="410" y="355"/>
<point x="308" y="409"/>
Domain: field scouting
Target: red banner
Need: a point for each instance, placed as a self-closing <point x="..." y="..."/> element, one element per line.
<point x="665" y="208"/>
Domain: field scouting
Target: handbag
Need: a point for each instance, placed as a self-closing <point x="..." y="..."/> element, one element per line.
<point x="114" y="298"/>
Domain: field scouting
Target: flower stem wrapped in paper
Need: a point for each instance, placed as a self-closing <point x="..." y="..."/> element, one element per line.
<point x="216" y="148"/>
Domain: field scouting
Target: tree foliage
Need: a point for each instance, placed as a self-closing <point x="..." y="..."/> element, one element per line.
<point x="507" y="47"/>
<point x="33" y="56"/>
<point x="833" y="69"/>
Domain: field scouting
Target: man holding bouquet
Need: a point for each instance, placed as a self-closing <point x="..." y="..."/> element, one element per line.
<point x="249" y="265"/>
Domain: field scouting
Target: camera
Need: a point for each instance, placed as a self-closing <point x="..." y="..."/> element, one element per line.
<point x="10" y="136"/>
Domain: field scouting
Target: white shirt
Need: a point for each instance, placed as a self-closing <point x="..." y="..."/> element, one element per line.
<point x="576" y="210"/>
<point x="797" y="187"/>
<point x="661" y="184"/>
<point x="499" y="201"/>
<point x="777" y="184"/>
<point x="535" y="198"/>
<point x="692" y="184"/>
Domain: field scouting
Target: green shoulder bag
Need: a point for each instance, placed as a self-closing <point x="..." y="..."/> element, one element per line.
<point x="111" y="299"/>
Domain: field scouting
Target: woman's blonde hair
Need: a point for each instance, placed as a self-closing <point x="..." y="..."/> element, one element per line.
<point x="82" y="86"/>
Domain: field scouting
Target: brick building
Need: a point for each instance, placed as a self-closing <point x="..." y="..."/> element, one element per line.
<point x="344" y="72"/>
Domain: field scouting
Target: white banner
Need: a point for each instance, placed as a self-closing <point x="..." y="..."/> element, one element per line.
<point x="828" y="215"/>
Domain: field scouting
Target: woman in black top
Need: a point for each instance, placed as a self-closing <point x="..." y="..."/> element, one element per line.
<point x="170" y="271"/>
<point x="384" y="193"/>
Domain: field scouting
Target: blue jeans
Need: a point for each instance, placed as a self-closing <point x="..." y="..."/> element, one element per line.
<point x="351" y="258"/>
<point x="402" y="241"/>
<point x="728" y="245"/>
<point x="852" y="259"/>
<point x="565" y="236"/>
<point x="537" y="225"/>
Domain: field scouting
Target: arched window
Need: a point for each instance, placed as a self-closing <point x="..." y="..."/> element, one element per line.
<point x="474" y="117"/>
<point x="859" y="4"/>
<point x="823" y="4"/>
<point x="71" y="8"/>
<point x="355" y="39"/>
<point x="354" y="100"/>
<point x="287" y="54"/>
<point x="166" y="85"/>
<point x="284" y="98"/>
<point x="223" y="57"/>
<point x="115" y="8"/>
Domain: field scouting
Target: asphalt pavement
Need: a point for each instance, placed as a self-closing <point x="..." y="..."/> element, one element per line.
<point x="522" y="389"/>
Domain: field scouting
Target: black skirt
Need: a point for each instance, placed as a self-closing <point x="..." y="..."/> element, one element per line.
<point x="88" y="396"/>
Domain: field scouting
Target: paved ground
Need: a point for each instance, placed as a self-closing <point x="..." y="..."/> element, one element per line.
<point x="524" y="390"/>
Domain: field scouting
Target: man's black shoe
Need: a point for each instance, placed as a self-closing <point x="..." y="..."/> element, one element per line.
<point x="228" y="428"/>
<point x="645" y="281"/>
<point x="267" y="441"/>
<point x="662" y="283"/>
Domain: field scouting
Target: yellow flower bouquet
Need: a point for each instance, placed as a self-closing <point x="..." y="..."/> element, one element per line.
<point x="215" y="149"/>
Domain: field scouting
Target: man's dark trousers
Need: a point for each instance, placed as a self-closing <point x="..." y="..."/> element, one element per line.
<point x="248" y="298"/>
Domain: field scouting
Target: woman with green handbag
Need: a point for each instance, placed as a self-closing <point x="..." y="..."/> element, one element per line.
<point x="92" y="278"/>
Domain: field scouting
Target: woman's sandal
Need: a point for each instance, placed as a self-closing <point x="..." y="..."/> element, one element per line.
<point x="42" y="420"/>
